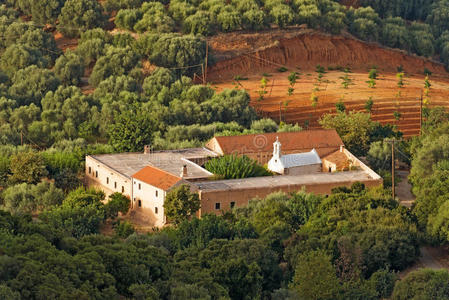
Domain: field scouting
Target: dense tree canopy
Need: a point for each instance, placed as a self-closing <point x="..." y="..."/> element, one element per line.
<point x="80" y="15"/>
<point x="233" y="167"/>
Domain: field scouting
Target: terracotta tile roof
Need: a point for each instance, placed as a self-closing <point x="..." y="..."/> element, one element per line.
<point x="340" y="159"/>
<point x="291" y="141"/>
<point x="157" y="177"/>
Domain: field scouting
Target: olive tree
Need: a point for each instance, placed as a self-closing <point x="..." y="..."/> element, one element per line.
<point x="69" y="68"/>
<point x="181" y="204"/>
<point x="80" y="15"/>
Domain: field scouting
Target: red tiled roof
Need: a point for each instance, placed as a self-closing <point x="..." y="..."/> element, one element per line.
<point x="291" y="141"/>
<point x="340" y="159"/>
<point x="156" y="177"/>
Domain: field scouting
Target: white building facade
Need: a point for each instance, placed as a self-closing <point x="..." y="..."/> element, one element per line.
<point x="294" y="164"/>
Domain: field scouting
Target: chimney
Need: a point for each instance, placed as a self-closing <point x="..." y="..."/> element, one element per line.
<point x="146" y="149"/>
<point x="184" y="171"/>
<point x="342" y="147"/>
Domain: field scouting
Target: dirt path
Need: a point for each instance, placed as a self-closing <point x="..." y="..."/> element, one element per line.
<point x="404" y="189"/>
<point x="430" y="258"/>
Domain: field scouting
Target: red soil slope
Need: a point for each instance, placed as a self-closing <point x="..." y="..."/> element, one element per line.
<point x="305" y="49"/>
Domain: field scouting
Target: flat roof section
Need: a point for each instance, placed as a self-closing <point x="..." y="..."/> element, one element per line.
<point x="282" y="180"/>
<point x="170" y="161"/>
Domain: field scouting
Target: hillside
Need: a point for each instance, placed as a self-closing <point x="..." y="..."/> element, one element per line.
<point x="301" y="51"/>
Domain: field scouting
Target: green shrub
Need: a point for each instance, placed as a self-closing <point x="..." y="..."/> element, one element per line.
<point x="233" y="167"/>
<point x="123" y="229"/>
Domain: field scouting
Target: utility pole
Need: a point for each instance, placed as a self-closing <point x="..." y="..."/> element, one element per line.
<point x="202" y="73"/>
<point x="420" y="115"/>
<point x="393" y="166"/>
<point x="392" y="169"/>
<point x="207" y="54"/>
<point x="280" y="112"/>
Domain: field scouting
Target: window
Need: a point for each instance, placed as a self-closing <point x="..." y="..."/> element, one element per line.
<point x="232" y="204"/>
<point x="115" y="184"/>
<point x="140" y="203"/>
<point x="90" y="170"/>
<point x="330" y="169"/>
<point x="217" y="205"/>
<point x="123" y="189"/>
<point x="96" y="174"/>
<point x="139" y="186"/>
<point x="155" y="210"/>
<point x="156" y="193"/>
<point x="107" y="180"/>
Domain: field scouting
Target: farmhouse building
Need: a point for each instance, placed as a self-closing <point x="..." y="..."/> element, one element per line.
<point x="260" y="146"/>
<point x="314" y="161"/>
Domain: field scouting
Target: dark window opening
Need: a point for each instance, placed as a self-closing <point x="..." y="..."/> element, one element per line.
<point x="232" y="204"/>
<point x="123" y="189"/>
<point x="155" y="210"/>
<point x="140" y="203"/>
<point x="90" y="170"/>
<point x="115" y="184"/>
<point x="156" y="193"/>
<point x="96" y="174"/>
<point x="107" y="180"/>
<point x="330" y="169"/>
<point x="139" y="186"/>
<point x="217" y="205"/>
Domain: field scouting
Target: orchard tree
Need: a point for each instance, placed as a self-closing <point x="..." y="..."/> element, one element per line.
<point x="69" y="68"/>
<point x="175" y="51"/>
<point x="46" y="11"/>
<point x="117" y="61"/>
<point x="422" y="41"/>
<point x="202" y="22"/>
<point x="395" y="34"/>
<point x="28" y="167"/>
<point x="19" y="56"/>
<point x="354" y="129"/>
<point x="334" y="21"/>
<point x="29" y="198"/>
<point x="30" y="85"/>
<point x="117" y="203"/>
<point x="255" y="19"/>
<point x="42" y="41"/>
<point x="423" y="284"/>
<point x="159" y="79"/>
<point x="369" y="104"/>
<point x="308" y="13"/>
<point x="109" y="89"/>
<point x="365" y="23"/>
<point x="438" y="17"/>
<point x="320" y="284"/>
<point x="78" y="16"/>
<point x="282" y="15"/>
<point x="229" y="20"/>
<point x="180" y="204"/>
<point x="155" y="21"/>
<point x="131" y="131"/>
<point x="127" y="18"/>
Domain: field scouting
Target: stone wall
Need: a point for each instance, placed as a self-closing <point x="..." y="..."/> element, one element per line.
<point x="242" y="196"/>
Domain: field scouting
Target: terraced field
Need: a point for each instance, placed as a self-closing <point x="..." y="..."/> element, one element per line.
<point x="387" y="97"/>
